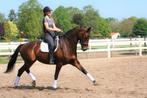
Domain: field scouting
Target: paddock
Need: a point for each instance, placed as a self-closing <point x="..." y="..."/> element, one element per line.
<point x="117" y="77"/>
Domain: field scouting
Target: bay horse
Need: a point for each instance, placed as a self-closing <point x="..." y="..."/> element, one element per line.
<point x="65" y="54"/>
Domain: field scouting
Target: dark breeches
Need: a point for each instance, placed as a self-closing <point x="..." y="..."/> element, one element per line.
<point x="49" y="39"/>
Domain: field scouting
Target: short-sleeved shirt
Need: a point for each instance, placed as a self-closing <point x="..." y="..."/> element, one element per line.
<point x="50" y="22"/>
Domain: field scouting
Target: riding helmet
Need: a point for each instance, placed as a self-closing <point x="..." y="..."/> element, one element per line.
<point x="47" y="9"/>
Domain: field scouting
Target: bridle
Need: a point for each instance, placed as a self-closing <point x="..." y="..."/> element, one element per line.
<point x="83" y="43"/>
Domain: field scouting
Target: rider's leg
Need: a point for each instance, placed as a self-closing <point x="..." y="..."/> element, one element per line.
<point x="50" y="41"/>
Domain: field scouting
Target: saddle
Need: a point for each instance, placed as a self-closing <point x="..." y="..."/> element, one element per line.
<point x="44" y="45"/>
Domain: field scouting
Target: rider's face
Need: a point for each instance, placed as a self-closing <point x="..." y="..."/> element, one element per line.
<point x="49" y="13"/>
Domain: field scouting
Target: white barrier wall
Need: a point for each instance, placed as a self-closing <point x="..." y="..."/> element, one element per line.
<point x="105" y="45"/>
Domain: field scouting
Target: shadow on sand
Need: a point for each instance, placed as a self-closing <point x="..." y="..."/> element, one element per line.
<point x="24" y="87"/>
<point x="41" y="88"/>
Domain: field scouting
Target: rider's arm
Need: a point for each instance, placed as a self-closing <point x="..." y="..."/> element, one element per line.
<point x="57" y="29"/>
<point x="48" y="28"/>
<point x="51" y="29"/>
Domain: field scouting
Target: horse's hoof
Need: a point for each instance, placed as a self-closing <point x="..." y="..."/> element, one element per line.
<point x="94" y="83"/>
<point x="16" y="87"/>
<point x="54" y="87"/>
<point x="34" y="83"/>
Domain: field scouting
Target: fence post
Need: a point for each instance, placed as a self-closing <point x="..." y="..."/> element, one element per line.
<point x="90" y="47"/>
<point x="140" y="47"/>
<point x="109" y="49"/>
<point x="10" y="49"/>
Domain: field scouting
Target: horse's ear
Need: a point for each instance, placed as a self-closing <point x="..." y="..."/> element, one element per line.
<point x="88" y="30"/>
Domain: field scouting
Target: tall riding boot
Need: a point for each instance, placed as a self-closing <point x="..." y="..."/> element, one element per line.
<point x="52" y="60"/>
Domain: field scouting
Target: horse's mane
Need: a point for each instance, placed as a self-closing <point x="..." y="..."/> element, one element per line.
<point x="68" y="33"/>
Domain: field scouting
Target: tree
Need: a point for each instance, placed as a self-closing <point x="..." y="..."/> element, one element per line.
<point x="78" y="19"/>
<point x="91" y="19"/>
<point x="2" y="18"/>
<point x="1" y="30"/>
<point x="114" y="24"/>
<point x="140" y="27"/>
<point x="63" y="18"/>
<point x="30" y="19"/>
<point x="75" y="15"/>
<point x="104" y="28"/>
<point x="11" y="31"/>
<point x="12" y="15"/>
<point x="72" y="11"/>
<point x="126" y="26"/>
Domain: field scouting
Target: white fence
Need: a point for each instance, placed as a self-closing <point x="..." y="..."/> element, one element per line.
<point x="104" y="45"/>
<point x="8" y="48"/>
<point x="109" y="45"/>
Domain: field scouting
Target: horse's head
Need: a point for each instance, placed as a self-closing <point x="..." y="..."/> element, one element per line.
<point x="83" y="36"/>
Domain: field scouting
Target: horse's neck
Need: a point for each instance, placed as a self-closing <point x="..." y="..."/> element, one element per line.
<point x="72" y="41"/>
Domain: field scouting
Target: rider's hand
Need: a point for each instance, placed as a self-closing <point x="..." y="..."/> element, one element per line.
<point x="58" y="30"/>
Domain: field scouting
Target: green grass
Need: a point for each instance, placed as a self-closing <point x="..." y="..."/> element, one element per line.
<point x="5" y="60"/>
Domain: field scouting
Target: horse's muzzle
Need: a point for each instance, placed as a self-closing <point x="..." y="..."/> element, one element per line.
<point x="84" y="48"/>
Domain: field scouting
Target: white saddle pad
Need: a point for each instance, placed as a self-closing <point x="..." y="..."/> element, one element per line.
<point x="44" y="47"/>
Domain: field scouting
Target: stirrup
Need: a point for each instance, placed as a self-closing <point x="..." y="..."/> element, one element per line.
<point x="52" y="62"/>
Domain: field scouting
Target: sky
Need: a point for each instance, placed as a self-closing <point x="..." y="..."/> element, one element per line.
<point x="118" y="9"/>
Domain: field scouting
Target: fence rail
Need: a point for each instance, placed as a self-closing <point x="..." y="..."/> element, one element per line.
<point x="106" y="45"/>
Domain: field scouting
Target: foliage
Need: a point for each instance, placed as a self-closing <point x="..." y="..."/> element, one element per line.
<point x="72" y="11"/>
<point x="140" y="27"/>
<point x="12" y="15"/>
<point x="126" y="26"/>
<point x="67" y="18"/>
<point x="2" y="18"/>
<point x="11" y="31"/>
<point x="78" y="19"/>
<point x="29" y="19"/>
<point x="63" y="19"/>
<point x="114" y="24"/>
<point x="92" y="18"/>
<point x="104" y="28"/>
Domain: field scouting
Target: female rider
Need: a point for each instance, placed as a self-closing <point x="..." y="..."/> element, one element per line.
<point x="49" y="29"/>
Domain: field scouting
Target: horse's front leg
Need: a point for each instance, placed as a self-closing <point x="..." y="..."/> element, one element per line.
<point x="82" y="69"/>
<point x="57" y="70"/>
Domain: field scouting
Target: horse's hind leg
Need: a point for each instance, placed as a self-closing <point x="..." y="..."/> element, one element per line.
<point x="20" y="72"/>
<point x="25" y="67"/>
<point x="32" y="76"/>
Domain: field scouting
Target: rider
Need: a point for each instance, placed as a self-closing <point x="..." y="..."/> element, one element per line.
<point x="49" y="29"/>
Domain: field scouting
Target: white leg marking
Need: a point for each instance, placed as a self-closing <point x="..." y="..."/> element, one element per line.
<point x="54" y="85"/>
<point x="32" y="76"/>
<point x="17" y="81"/>
<point x="90" y="77"/>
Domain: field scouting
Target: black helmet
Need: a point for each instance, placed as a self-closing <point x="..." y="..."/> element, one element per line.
<point x="46" y="9"/>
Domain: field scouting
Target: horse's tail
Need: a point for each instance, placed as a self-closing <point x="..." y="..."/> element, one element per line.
<point x="13" y="59"/>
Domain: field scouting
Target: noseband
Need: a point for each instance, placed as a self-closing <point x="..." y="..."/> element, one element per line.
<point x="83" y="43"/>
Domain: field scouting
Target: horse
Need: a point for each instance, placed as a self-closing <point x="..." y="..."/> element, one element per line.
<point x="66" y="53"/>
<point x="115" y="35"/>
